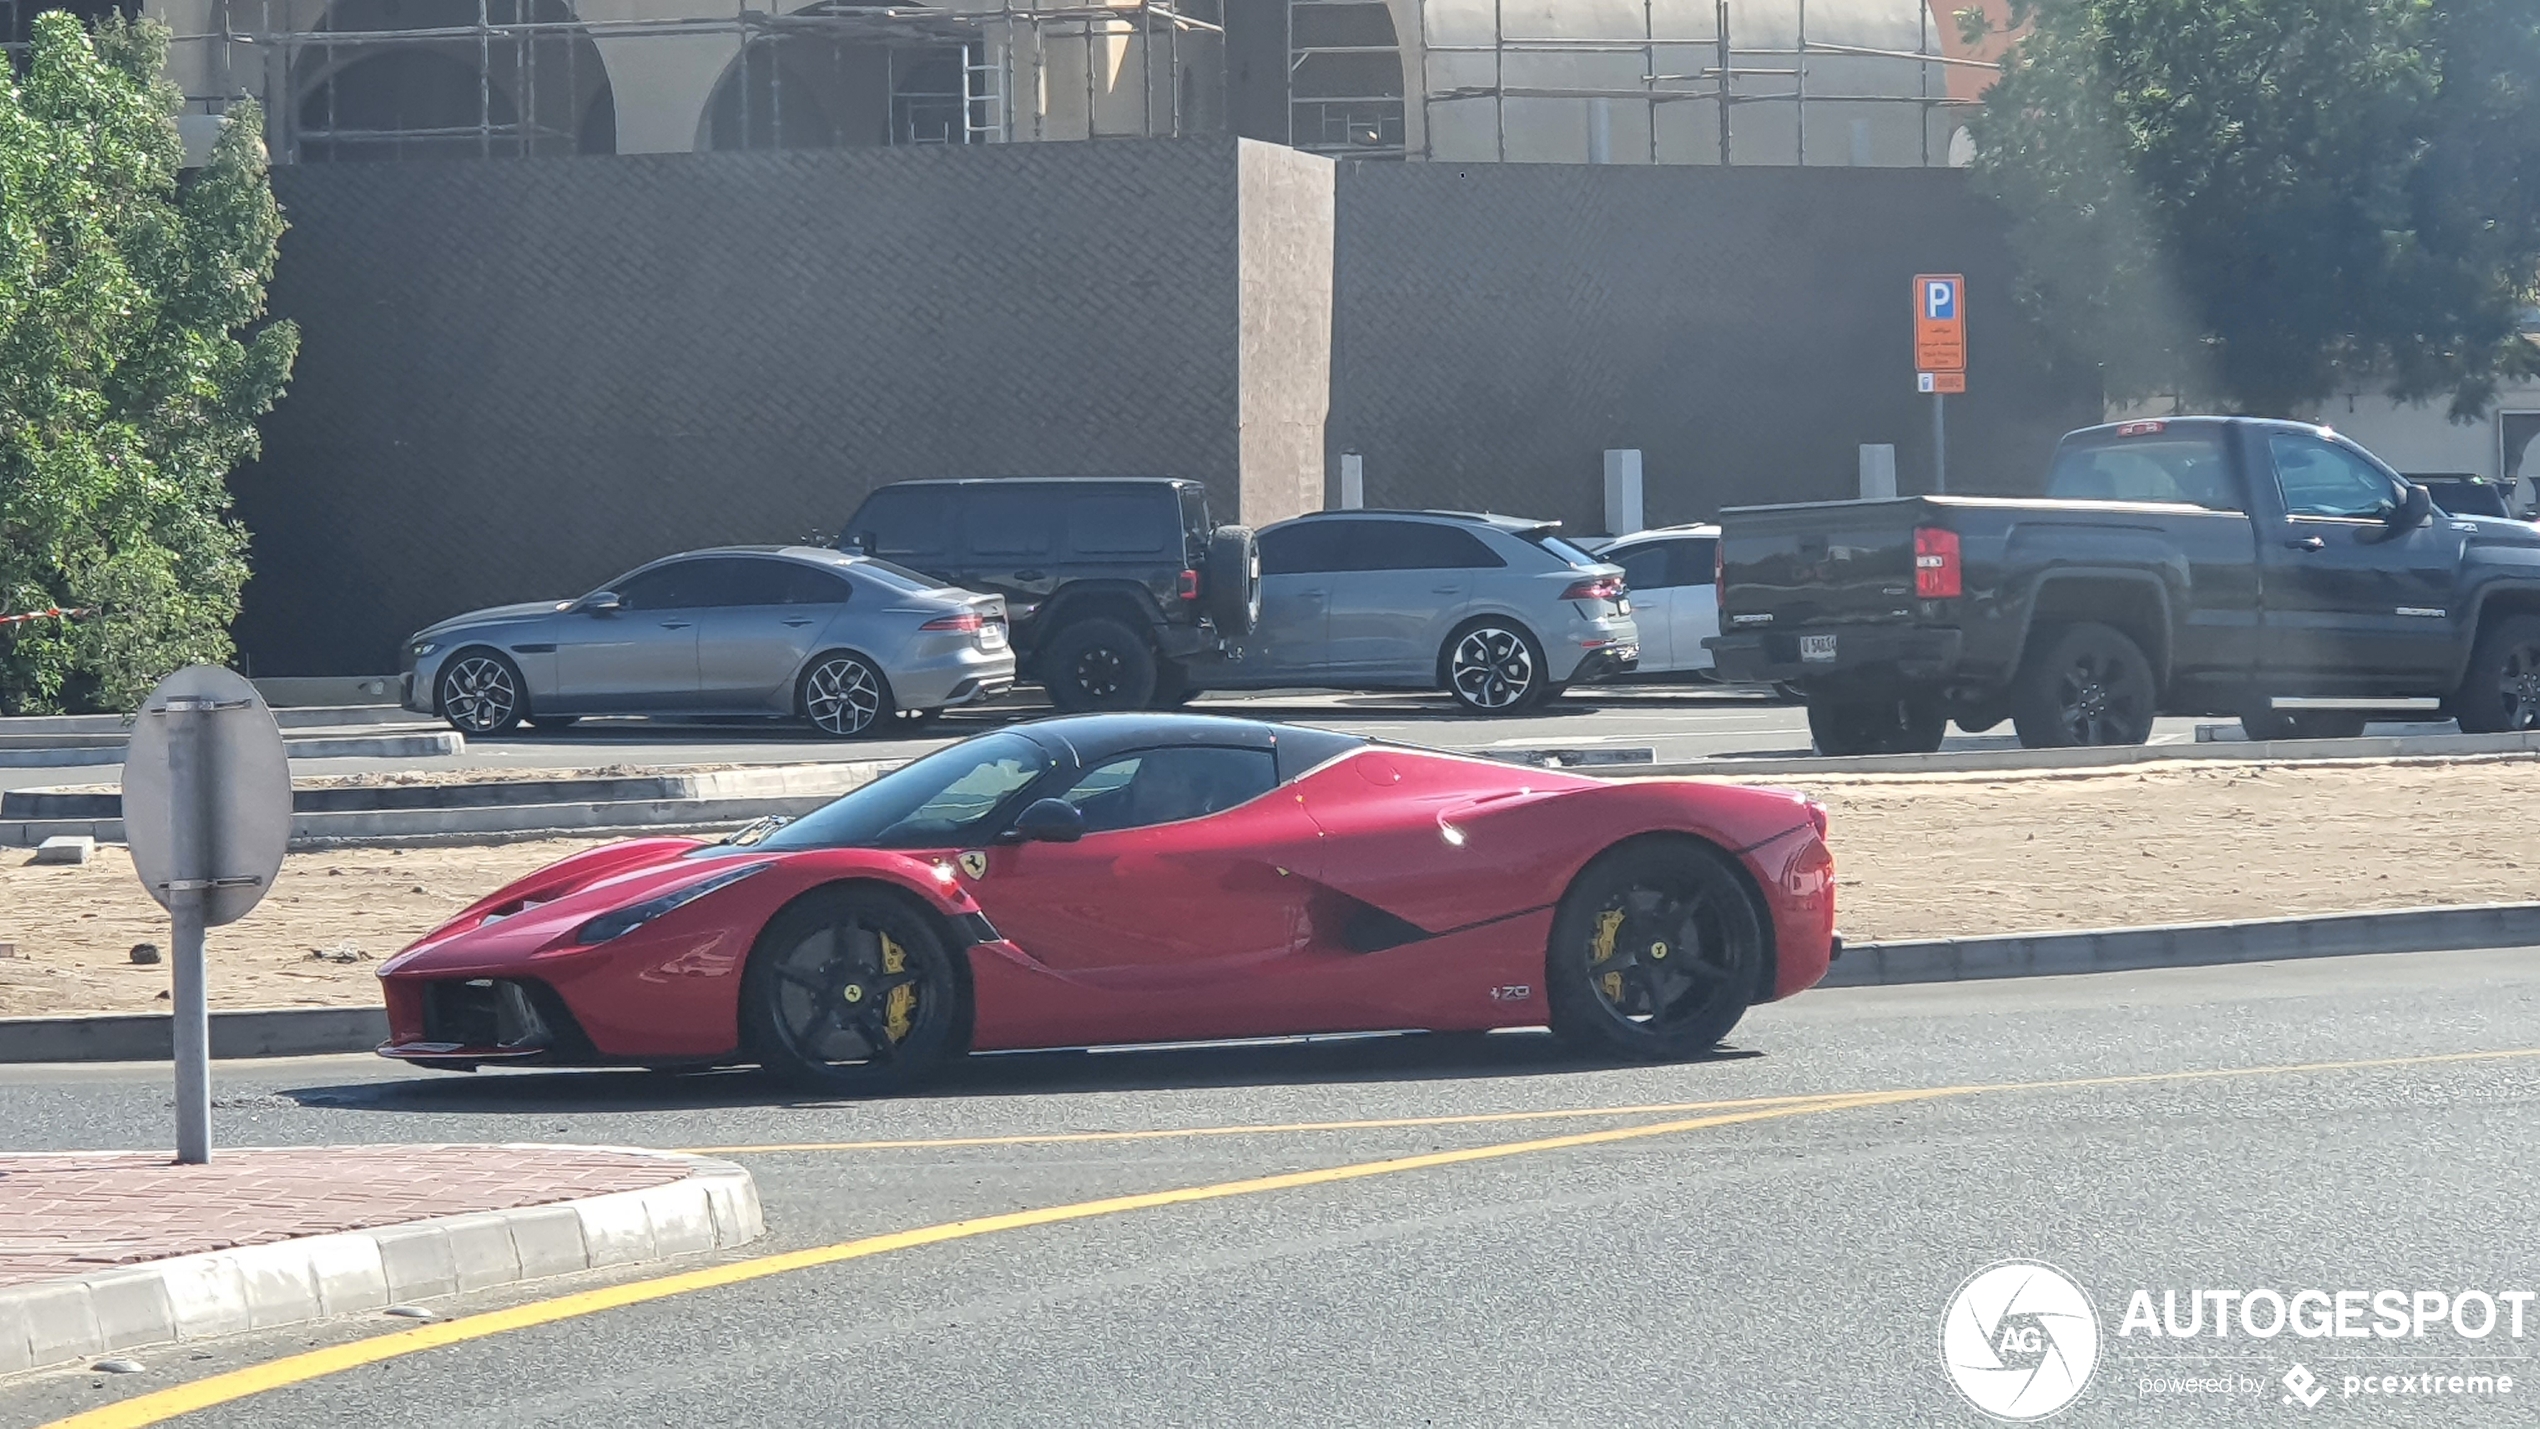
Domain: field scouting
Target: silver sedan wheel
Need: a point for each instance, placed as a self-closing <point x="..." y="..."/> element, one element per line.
<point x="843" y="696"/>
<point x="479" y="696"/>
<point x="1492" y="668"/>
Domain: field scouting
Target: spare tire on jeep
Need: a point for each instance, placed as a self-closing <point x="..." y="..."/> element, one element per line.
<point x="1230" y="589"/>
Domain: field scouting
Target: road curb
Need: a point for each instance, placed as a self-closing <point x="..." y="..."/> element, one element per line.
<point x="422" y="744"/>
<point x="479" y="812"/>
<point x="1977" y="761"/>
<point x="2404" y="930"/>
<point x="288" y="1282"/>
<point x="149" y="1036"/>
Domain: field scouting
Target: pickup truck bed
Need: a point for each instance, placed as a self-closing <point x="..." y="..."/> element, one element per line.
<point x="2268" y="570"/>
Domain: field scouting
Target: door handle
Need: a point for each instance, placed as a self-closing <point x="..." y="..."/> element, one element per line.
<point x="2304" y="543"/>
<point x="797" y="620"/>
<point x="674" y="625"/>
<point x="1446" y="590"/>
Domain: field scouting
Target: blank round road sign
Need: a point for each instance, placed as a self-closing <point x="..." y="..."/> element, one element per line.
<point x="246" y="782"/>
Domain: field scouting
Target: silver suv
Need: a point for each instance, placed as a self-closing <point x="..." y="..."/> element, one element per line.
<point x="1497" y="611"/>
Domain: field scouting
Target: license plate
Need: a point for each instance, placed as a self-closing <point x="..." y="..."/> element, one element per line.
<point x="1816" y="647"/>
<point x="992" y="636"/>
<point x="1624" y="606"/>
<point x="1626" y="652"/>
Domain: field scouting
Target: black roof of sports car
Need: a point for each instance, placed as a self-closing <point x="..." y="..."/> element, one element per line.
<point x="1090" y="739"/>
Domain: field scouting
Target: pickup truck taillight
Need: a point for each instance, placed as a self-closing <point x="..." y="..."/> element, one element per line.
<point x="1719" y="578"/>
<point x="1595" y="588"/>
<point x="1938" y="574"/>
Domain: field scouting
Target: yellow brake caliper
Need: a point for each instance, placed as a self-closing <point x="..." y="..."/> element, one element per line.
<point x="897" y="1012"/>
<point x="1608" y="924"/>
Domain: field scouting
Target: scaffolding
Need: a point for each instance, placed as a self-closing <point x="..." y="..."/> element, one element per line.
<point x="950" y="75"/>
<point x="526" y="77"/>
<point x="1718" y="65"/>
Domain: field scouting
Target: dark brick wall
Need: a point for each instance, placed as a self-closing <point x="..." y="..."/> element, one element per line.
<point x="1498" y="326"/>
<point x="520" y="378"/>
<point x="517" y="379"/>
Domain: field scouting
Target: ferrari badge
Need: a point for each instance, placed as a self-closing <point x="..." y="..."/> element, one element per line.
<point x="974" y="862"/>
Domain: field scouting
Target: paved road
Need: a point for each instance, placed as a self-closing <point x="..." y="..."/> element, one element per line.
<point x="1675" y="721"/>
<point x="1776" y="1263"/>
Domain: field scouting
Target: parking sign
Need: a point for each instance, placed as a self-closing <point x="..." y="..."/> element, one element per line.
<point x="1940" y="323"/>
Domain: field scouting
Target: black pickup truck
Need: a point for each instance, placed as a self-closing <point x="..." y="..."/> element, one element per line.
<point x="2200" y="565"/>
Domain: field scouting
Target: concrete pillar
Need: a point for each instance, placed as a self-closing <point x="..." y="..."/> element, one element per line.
<point x="1622" y="492"/>
<point x="1283" y="259"/>
<point x="661" y="85"/>
<point x="1878" y="473"/>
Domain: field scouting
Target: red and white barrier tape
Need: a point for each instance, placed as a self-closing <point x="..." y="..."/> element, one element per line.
<point x="55" y="613"/>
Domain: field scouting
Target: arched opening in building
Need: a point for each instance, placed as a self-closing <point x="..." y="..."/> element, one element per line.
<point x="1344" y="79"/>
<point x="447" y="79"/>
<point x="823" y="81"/>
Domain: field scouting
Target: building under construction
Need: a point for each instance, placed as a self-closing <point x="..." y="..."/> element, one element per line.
<point x="1776" y="82"/>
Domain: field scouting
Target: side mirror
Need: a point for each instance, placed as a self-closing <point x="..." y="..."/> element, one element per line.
<point x="1049" y="821"/>
<point x="603" y="602"/>
<point x="2414" y="508"/>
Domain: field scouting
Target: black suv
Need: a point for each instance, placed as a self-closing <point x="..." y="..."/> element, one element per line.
<point x="1112" y="583"/>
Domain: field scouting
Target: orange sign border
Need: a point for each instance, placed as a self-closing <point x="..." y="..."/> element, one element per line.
<point x="1940" y="344"/>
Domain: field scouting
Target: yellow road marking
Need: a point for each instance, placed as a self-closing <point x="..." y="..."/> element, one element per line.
<point x="165" y="1404"/>
<point x="1058" y="1138"/>
<point x="161" y="1405"/>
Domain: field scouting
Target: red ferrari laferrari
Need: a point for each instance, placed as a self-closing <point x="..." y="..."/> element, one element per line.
<point x="1141" y="878"/>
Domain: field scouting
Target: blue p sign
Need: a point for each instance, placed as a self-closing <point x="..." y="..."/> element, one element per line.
<point x="1940" y="299"/>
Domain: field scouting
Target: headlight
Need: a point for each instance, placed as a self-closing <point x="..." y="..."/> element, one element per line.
<point x="421" y="648"/>
<point x="634" y="916"/>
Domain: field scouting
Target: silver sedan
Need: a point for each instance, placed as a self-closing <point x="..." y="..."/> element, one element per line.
<point x="846" y="642"/>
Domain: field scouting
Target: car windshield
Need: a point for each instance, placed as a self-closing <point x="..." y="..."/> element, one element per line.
<point x="891" y="574"/>
<point x="1560" y="548"/>
<point x="948" y="797"/>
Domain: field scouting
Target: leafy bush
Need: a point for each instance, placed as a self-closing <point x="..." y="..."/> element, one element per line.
<point x="129" y="382"/>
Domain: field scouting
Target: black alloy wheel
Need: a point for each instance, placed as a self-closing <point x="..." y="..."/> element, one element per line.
<point x="2500" y="692"/>
<point x="1098" y="664"/>
<point x="2086" y="685"/>
<point x="1656" y="952"/>
<point x="854" y="990"/>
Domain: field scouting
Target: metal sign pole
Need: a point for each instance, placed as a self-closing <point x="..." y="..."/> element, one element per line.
<point x="190" y="861"/>
<point x="207" y="815"/>
<point x="1939" y="444"/>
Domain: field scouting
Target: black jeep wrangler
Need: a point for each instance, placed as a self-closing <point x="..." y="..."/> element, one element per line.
<point x="1111" y="582"/>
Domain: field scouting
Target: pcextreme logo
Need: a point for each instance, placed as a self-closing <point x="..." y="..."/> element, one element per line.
<point x="2019" y="1340"/>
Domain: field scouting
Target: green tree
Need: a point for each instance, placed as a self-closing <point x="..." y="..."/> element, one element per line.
<point x="2254" y="204"/>
<point x="130" y="379"/>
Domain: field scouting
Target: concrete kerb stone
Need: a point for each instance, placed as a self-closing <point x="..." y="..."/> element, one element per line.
<point x="194" y="1297"/>
<point x="423" y="744"/>
<point x="2406" y="930"/>
<point x="707" y="799"/>
<point x="1974" y="761"/>
<point x="150" y="1036"/>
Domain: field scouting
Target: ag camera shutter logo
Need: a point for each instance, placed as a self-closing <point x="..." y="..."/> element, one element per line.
<point x="2019" y="1340"/>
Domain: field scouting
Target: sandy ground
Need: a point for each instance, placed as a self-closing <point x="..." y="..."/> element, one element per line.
<point x="1918" y="856"/>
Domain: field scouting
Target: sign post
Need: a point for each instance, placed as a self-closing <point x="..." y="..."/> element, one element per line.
<point x="1940" y="356"/>
<point x="207" y="813"/>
